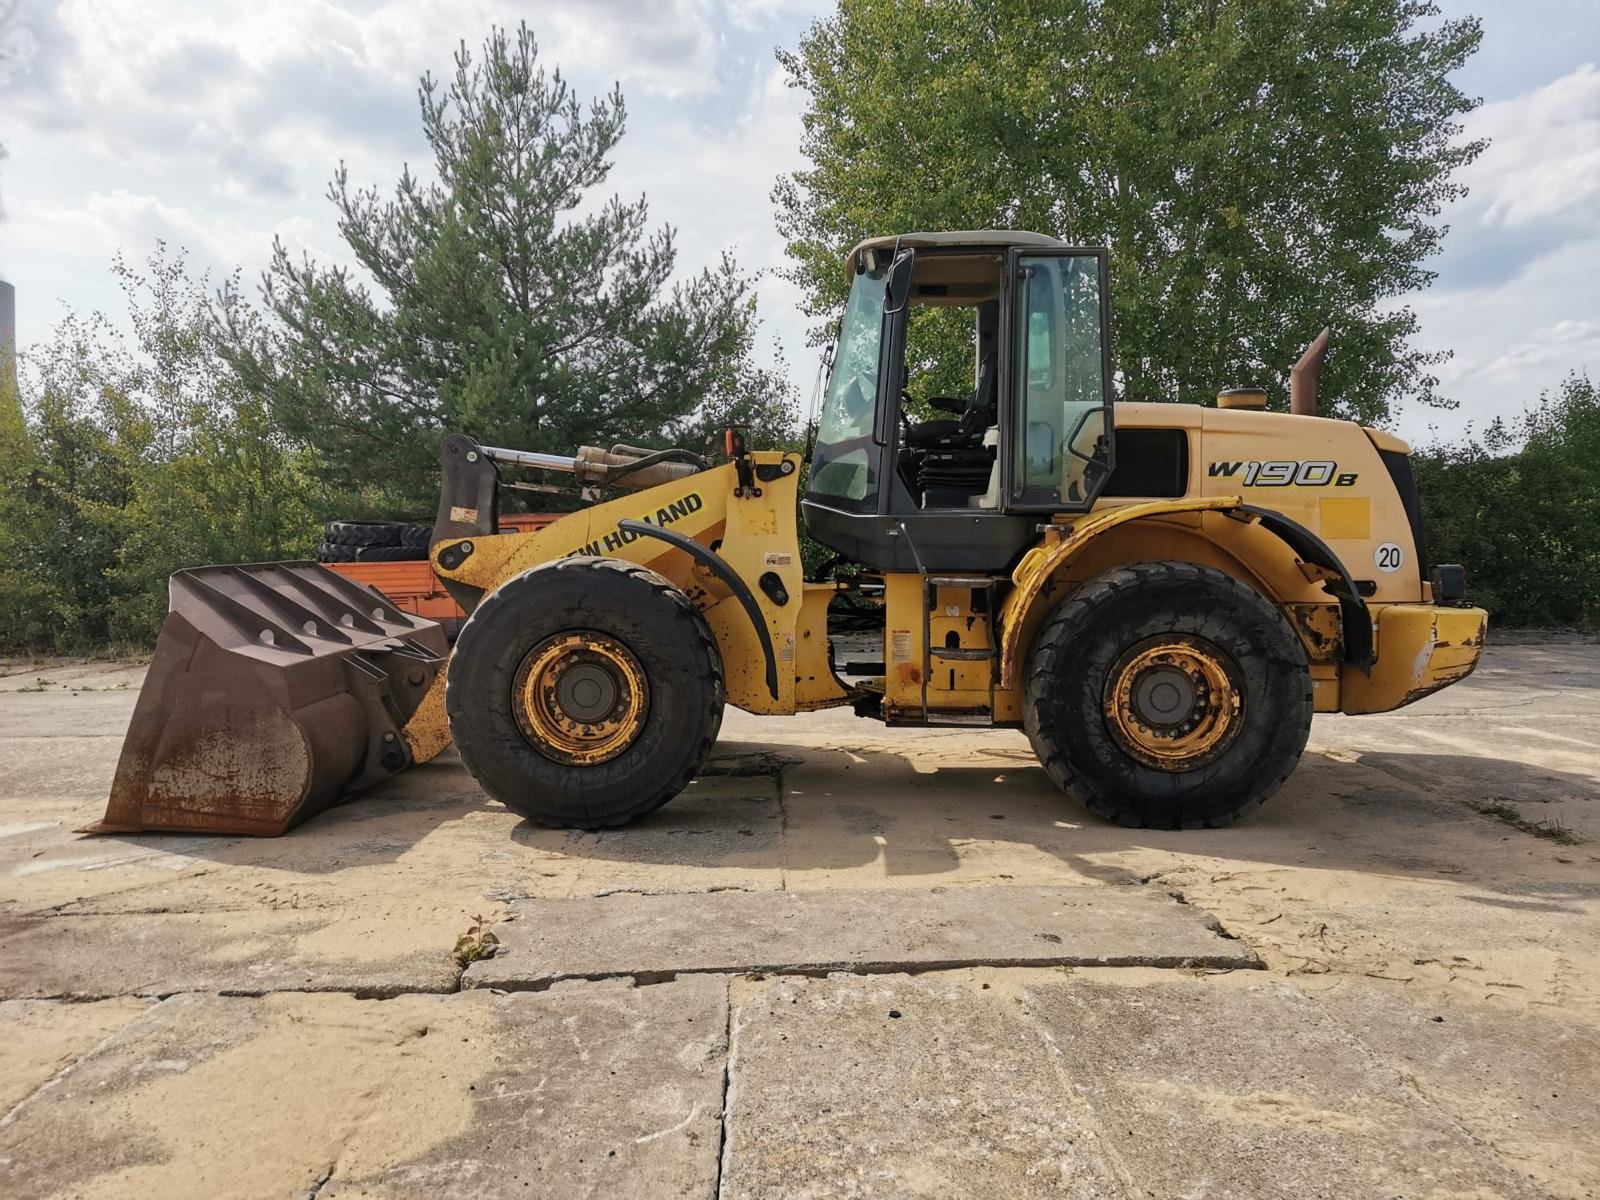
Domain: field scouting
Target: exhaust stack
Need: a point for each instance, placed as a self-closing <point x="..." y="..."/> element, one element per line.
<point x="1303" y="377"/>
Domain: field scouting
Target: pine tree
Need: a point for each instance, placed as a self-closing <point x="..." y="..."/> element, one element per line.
<point x="505" y="299"/>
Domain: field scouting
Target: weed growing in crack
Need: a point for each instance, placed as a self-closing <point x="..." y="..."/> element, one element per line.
<point x="476" y="943"/>
<point x="1551" y="829"/>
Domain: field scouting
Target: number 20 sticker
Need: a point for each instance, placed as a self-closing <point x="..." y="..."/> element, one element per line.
<point x="1388" y="557"/>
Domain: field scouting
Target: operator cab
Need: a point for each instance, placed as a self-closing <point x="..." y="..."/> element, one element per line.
<point x="969" y="393"/>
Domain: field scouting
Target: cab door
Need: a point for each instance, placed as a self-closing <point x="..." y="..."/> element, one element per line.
<point x="1056" y="413"/>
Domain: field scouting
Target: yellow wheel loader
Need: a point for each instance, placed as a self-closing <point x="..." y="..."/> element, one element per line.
<point x="1160" y="595"/>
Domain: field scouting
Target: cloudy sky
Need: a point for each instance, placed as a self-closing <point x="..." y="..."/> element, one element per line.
<point x="215" y="124"/>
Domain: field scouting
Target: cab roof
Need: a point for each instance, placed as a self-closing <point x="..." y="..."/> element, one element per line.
<point x="977" y="239"/>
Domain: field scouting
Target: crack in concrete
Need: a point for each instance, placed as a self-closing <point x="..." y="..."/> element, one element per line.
<point x="78" y="1060"/>
<point x="1166" y="962"/>
<point x="373" y="992"/>
<point x="1104" y="1146"/>
<point x="724" y="1148"/>
<point x="753" y="765"/>
<point x="165" y="881"/>
<point x="1213" y="922"/>
<point x="62" y="910"/>
<point x="639" y="891"/>
<point x="321" y="1181"/>
<point x="1440" y="795"/>
<point x="780" y="790"/>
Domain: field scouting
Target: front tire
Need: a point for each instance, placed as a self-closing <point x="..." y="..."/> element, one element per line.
<point x="585" y="693"/>
<point x="1167" y="695"/>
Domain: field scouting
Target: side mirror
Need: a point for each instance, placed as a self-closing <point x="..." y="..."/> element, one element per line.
<point x="897" y="288"/>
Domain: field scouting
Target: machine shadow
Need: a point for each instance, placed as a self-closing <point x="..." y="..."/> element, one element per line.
<point x="839" y="810"/>
<point x="986" y="812"/>
<point x="369" y="829"/>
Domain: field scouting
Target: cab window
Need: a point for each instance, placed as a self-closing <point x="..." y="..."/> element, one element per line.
<point x="1061" y="449"/>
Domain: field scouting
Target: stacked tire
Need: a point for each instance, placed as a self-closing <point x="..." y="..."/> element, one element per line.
<point x="374" y="541"/>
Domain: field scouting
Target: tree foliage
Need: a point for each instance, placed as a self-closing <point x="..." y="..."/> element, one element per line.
<point x="1524" y="521"/>
<point x="505" y="299"/>
<point x="1259" y="168"/>
<point x="134" y="454"/>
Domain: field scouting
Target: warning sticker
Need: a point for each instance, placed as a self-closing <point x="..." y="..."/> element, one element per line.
<point x="900" y="646"/>
<point x="780" y="560"/>
<point x="466" y="516"/>
<point x="786" y="651"/>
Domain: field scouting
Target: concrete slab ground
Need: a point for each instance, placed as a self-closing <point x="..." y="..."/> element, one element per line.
<point x="1279" y="1099"/>
<point x="867" y="932"/>
<point x="1087" y="1084"/>
<point x="613" y="1092"/>
<point x="1423" y="896"/>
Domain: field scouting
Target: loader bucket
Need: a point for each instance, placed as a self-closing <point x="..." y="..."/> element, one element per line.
<point x="275" y="689"/>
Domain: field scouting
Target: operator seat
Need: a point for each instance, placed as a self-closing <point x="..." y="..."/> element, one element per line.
<point x="955" y="462"/>
<point x="978" y="415"/>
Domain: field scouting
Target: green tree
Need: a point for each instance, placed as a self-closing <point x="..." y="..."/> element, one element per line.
<point x="505" y="299"/>
<point x="1520" y="508"/>
<point x="136" y="453"/>
<point x="1258" y="168"/>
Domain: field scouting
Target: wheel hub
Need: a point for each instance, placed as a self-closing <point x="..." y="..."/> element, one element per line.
<point x="1162" y="695"/>
<point x="580" y="697"/>
<point x="586" y="692"/>
<point x="1174" y="702"/>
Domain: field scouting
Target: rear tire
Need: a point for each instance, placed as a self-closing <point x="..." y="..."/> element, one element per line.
<point x="362" y="533"/>
<point x="1167" y="695"/>
<point x="389" y="553"/>
<point x="417" y="537"/>
<point x="509" y="746"/>
<point x="334" y="552"/>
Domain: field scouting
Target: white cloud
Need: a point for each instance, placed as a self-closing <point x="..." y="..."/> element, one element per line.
<point x="670" y="46"/>
<point x="1561" y="346"/>
<point x="216" y="124"/>
<point x="753" y="14"/>
<point x="1513" y="338"/>
<point x="165" y="79"/>
<point x="711" y="180"/>
<point x="1518" y="292"/>
<point x="1543" y="162"/>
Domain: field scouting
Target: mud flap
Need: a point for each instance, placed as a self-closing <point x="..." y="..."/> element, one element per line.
<point x="275" y="690"/>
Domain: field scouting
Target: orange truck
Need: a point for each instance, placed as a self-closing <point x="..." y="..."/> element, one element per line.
<point x="412" y="586"/>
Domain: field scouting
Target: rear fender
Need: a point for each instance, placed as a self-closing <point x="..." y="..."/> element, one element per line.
<point x="1283" y="560"/>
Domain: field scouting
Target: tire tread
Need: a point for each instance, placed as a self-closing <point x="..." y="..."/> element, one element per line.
<point x="681" y="608"/>
<point x="1050" y="649"/>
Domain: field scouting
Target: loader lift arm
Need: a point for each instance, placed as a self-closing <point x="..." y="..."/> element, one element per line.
<point x="713" y="563"/>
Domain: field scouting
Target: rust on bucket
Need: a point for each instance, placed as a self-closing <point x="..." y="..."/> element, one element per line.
<point x="275" y="689"/>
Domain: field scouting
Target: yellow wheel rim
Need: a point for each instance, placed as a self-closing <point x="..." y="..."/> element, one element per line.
<point x="1174" y="702"/>
<point x="580" y="698"/>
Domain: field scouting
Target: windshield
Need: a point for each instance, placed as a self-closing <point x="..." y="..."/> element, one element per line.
<point x="844" y="467"/>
